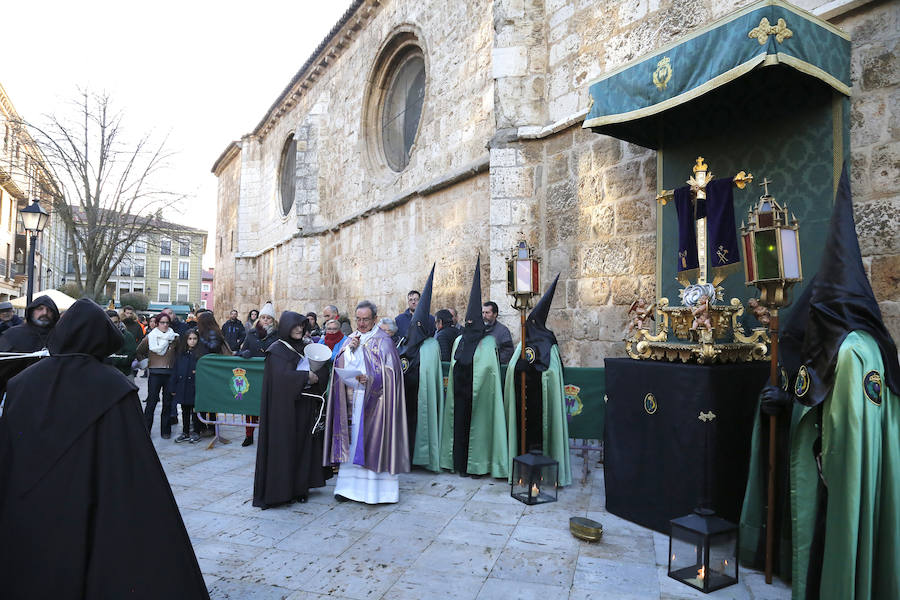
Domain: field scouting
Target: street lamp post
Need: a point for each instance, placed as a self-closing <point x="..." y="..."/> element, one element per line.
<point x="33" y="219"/>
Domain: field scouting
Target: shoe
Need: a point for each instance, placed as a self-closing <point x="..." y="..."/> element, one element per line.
<point x="182" y="438"/>
<point x="195" y="437"/>
<point x="248" y="441"/>
<point x="166" y="436"/>
<point x="340" y="498"/>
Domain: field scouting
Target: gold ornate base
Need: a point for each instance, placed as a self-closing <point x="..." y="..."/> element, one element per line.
<point x="699" y="345"/>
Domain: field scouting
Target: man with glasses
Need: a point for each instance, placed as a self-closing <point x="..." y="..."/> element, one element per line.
<point x="371" y="446"/>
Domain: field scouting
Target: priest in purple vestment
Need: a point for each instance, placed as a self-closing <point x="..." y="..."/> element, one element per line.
<point x="366" y="415"/>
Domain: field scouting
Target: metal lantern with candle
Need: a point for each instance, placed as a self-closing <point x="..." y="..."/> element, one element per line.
<point x="771" y="243"/>
<point x="703" y="551"/>
<point x="522" y="283"/>
<point x="534" y="478"/>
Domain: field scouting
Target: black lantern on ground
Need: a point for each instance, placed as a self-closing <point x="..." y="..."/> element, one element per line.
<point x="703" y="551"/>
<point x="534" y="478"/>
<point x="33" y="219"/>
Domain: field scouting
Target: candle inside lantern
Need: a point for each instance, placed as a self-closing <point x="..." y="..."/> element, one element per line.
<point x="535" y="490"/>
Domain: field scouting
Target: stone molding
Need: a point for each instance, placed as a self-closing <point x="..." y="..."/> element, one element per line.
<point x="441" y="182"/>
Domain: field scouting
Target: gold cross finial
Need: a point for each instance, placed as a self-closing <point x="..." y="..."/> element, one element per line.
<point x="765" y="185"/>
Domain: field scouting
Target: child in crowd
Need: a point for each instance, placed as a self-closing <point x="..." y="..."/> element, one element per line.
<point x="183" y="387"/>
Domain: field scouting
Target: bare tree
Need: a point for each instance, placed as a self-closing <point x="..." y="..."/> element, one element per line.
<point x="101" y="186"/>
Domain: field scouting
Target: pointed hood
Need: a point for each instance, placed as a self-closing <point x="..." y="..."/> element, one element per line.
<point x="420" y="327"/>
<point x="538" y="339"/>
<point x="841" y="301"/>
<point x="290" y="319"/>
<point x="473" y="329"/>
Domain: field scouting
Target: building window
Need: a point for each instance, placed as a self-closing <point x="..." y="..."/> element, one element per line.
<point x="287" y="174"/>
<point x="138" y="288"/>
<point x="203" y="304"/>
<point x="395" y="101"/>
<point x="182" y="297"/>
<point x="125" y="268"/>
<point x="140" y="246"/>
<point x="138" y="267"/>
<point x="70" y="263"/>
<point x="184" y="269"/>
<point x="184" y="249"/>
<point x="164" y="269"/>
<point x="124" y="288"/>
<point x="163" y="293"/>
<point x="165" y="247"/>
<point x="205" y="287"/>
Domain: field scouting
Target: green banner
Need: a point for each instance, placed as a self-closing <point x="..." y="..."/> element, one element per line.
<point x="585" y="390"/>
<point x="228" y="384"/>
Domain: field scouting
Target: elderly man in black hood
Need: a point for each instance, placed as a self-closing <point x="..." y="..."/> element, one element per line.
<point x="32" y="335"/>
<point x="81" y="486"/>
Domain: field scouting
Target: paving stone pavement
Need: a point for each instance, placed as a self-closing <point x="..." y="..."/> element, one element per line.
<point x="448" y="537"/>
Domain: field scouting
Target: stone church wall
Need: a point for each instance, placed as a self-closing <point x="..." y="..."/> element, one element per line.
<point x="500" y="152"/>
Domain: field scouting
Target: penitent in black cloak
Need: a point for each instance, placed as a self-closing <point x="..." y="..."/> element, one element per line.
<point x="289" y="455"/>
<point x="85" y="507"/>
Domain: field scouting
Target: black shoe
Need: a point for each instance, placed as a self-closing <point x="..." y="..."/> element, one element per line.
<point x="166" y="436"/>
<point x="195" y="437"/>
<point x="340" y="498"/>
<point x="182" y="438"/>
<point x="248" y="441"/>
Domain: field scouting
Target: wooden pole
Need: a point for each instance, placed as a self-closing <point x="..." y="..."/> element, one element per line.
<point x="770" y="511"/>
<point x="524" y="450"/>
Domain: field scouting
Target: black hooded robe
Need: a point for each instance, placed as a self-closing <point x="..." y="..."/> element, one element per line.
<point x="288" y="455"/>
<point x="86" y="510"/>
<point x="26" y="337"/>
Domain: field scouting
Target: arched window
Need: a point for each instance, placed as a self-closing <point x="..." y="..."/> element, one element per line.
<point x="402" y="109"/>
<point x="287" y="174"/>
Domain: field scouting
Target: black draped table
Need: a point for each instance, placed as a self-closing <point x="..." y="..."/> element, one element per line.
<point x="660" y="455"/>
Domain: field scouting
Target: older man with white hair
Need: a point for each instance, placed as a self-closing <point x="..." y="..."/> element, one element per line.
<point x="372" y="446"/>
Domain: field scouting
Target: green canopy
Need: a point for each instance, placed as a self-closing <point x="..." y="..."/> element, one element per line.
<point x="627" y="103"/>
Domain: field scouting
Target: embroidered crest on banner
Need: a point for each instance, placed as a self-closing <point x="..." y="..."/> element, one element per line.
<point x="872" y="387"/>
<point x="240" y="385"/>
<point x="662" y="74"/>
<point x="574" y="406"/>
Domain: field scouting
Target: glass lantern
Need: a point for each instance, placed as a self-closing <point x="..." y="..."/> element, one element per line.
<point x="703" y="551"/>
<point x="522" y="271"/>
<point x="534" y="478"/>
<point x="771" y="243"/>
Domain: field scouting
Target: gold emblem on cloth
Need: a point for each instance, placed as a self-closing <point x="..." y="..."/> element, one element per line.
<point x="706" y="417"/>
<point x="764" y="30"/>
<point x="662" y="74"/>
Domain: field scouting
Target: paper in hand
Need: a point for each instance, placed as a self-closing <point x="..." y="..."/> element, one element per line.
<point x="348" y="376"/>
<point x="303" y="365"/>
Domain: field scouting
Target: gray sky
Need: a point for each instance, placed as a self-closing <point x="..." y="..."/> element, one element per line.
<point x="200" y="72"/>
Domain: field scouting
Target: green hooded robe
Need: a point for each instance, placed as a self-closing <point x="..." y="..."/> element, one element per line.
<point x="555" y="422"/>
<point x="488" y="449"/>
<point x="860" y="432"/>
<point x="431" y="399"/>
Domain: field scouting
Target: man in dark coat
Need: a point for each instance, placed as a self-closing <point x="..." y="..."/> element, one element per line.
<point x="446" y="332"/>
<point x="234" y="331"/>
<point x="289" y="454"/>
<point x="32" y="335"/>
<point x="8" y="318"/>
<point x="129" y="320"/>
<point x="85" y="507"/>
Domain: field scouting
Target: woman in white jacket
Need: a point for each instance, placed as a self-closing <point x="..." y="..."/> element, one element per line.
<point x="158" y="347"/>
